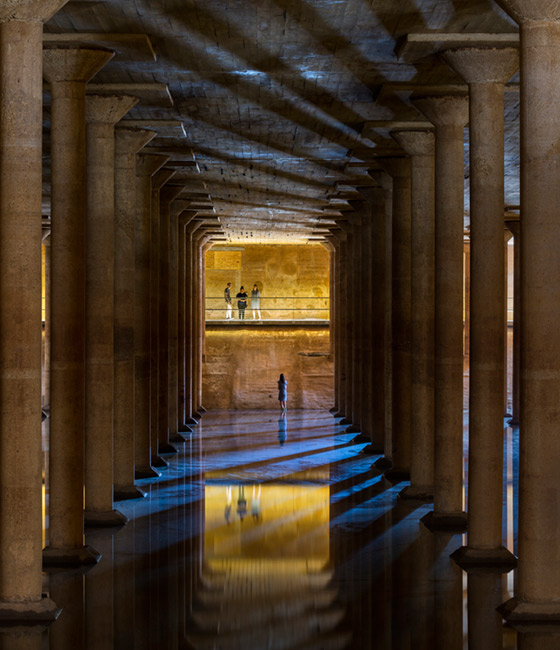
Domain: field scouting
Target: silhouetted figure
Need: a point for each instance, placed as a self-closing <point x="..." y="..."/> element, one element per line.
<point x="242" y="302"/>
<point x="282" y="392"/>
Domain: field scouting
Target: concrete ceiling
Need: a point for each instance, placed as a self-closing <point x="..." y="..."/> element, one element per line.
<point x="273" y="110"/>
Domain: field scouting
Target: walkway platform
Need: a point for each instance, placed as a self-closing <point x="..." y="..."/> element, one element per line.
<point x="236" y="324"/>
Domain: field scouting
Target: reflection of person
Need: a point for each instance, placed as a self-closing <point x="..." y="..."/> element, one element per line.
<point x="242" y="302"/>
<point x="241" y="503"/>
<point x="227" y="509"/>
<point x="256" y="503"/>
<point x="282" y="391"/>
<point x="282" y="428"/>
<point x="256" y="301"/>
<point x="227" y="298"/>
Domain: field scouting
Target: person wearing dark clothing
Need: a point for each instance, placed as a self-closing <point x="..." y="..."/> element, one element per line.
<point x="242" y="302"/>
<point x="282" y="392"/>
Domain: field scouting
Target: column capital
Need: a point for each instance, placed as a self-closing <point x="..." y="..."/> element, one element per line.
<point x="382" y="178"/>
<point x="444" y="110"/>
<point x="395" y="166"/>
<point x="170" y="192"/>
<point x="188" y="219"/>
<point x="415" y="143"/>
<point x="179" y="206"/>
<point x="483" y="65"/>
<point x="160" y="178"/>
<point x="73" y="62"/>
<point x="524" y="11"/>
<point x="29" y="10"/>
<point x="147" y="164"/>
<point x="108" y="109"/>
<point x="131" y="141"/>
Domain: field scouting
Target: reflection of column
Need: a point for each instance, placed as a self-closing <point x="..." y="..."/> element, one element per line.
<point x="124" y="585"/>
<point x="68" y="633"/>
<point x="102" y="113"/>
<point x="449" y="114"/>
<point x="486" y="72"/>
<point x="158" y="181"/>
<point x="67" y="69"/>
<point x="127" y="144"/>
<point x="538" y="578"/>
<point x="100" y="596"/>
<point x="537" y="640"/>
<point x="419" y="145"/>
<point x="167" y="429"/>
<point x="399" y="170"/>
<point x="515" y="229"/>
<point x="21" y="39"/>
<point x="485" y="623"/>
<point x="146" y="166"/>
<point x="448" y="601"/>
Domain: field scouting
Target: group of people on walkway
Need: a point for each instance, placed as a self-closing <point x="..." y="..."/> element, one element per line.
<point x="242" y="299"/>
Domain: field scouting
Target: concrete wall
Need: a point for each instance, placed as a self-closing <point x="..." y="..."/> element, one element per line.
<point x="280" y="271"/>
<point x="243" y="366"/>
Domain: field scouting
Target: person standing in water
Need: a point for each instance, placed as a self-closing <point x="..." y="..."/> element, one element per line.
<point x="256" y="302"/>
<point x="282" y="392"/>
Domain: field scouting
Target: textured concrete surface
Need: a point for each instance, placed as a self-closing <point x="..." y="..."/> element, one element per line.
<point x="242" y="368"/>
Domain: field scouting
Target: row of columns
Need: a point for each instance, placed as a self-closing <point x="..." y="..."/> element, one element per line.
<point x="427" y="310"/>
<point x="124" y="278"/>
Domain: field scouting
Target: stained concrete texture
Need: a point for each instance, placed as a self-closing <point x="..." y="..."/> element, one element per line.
<point x="293" y="280"/>
<point x="242" y="368"/>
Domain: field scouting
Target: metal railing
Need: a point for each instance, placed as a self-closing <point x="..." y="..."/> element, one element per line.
<point x="284" y="308"/>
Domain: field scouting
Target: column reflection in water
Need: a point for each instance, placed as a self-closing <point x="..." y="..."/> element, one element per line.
<point x="22" y="638"/>
<point x="99" y="594"/>
<point x="538" y="640"/>
<point x="67" y="591"/>
<point x="124" y="584"/>
<point x="448" y="585"/>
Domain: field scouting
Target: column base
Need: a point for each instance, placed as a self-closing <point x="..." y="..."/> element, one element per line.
<point x="396" y="475"/>
<point x="333" y="410"/>
<point x="382" y="463"/>
<point x="127" y="492"/>
<point x="146" y="472"/>
<point x="184" y="428"/>
<point x="190" y="421"/>
<point x="519" y="613"/>
<point x="454" y="523"/>
<point x="158" y="461"/>
<point x="30" y="612"/>
<point x="361" y="438"/>
<point x="197" y="416"/>
<point x="70" y="557"/>
<point x="417" y="493"/>
<point x="339" y="414"/>
<point x="513" y="422"/>
<point x="202" y="410"/>
<point x="345" y="421"/>
<point x="373" y="450"/>
<point x="177" y="438"/>
<point x="353" y="429"/>
<point x="105" y="519"/>
<point x="496" y="559"/>
<point x="166" y="448"/>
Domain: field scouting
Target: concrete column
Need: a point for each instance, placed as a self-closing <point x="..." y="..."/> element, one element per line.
<point x="187" y="227"/>
<point x="146" y="166"/>
<point x="449" y="114"/>
<point x="46" y="374"/>
<point x="21" y="38"/>
<point x="399" y="169"/>
<point x="537" y="593"/>
<point x="342" y="316"/>
<point x="102" y="113"/>
<point x="67" y="69"/>
<point x="197" y="322"/>
<point x="467" y="298"/>
<point x="159" y="179"/>
<point x="365" y="295"/>
<point x="128" y="142"/>
<point x="486" y="71"/>
<point x="168" y="266"/>
<point x="376" y="371"/>
<point x="347" y="306"/>
<point x="420" y="146"/>
<point x="515" y="229"/>
<point x="507" y="237"/>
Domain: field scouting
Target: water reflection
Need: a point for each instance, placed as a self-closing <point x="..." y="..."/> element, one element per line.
<point x="244" y="544"/>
